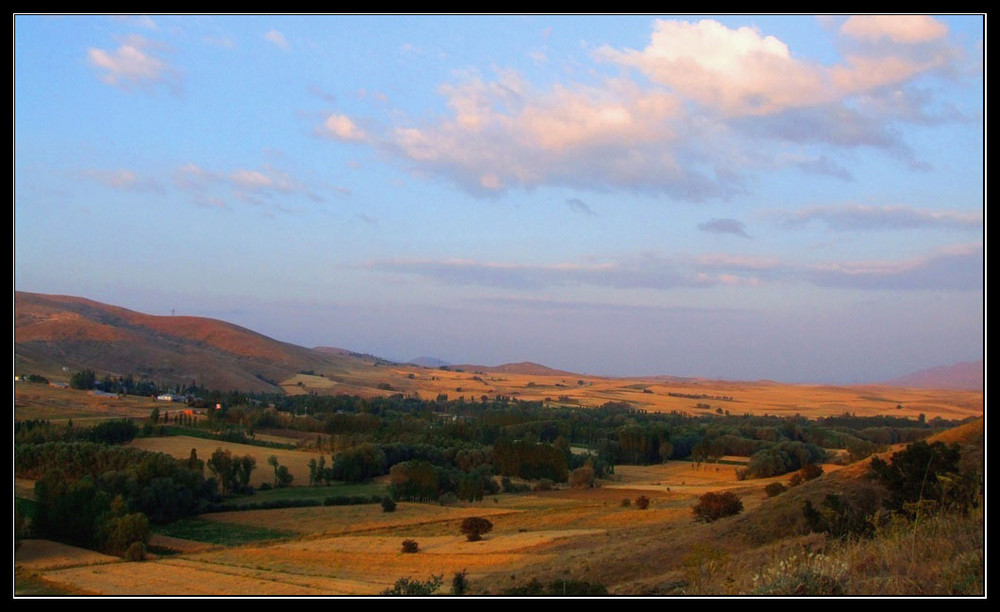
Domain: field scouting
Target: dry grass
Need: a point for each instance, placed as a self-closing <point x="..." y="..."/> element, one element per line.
<point x="56" y="404"/>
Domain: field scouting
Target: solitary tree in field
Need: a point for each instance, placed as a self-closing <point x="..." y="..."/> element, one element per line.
<point x="475" y="526"/>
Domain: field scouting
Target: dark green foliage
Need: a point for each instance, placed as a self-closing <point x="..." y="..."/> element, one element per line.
<point x="359" y="463"/>
<point x="558" y="588"/>
<point x="713" y="506"/>
<point x="119" y="533"/>
<point x="925" y="472"/>
<point x="388" y="505"/>
<point x="841" y="516"/>
<point x="410" y="587"/>
<point x="118" y="431"/>
<point x="475" y="526"/>
<point x="351" y="500"/>
<point x="459" y="583"/>
<point x="83" y="380"/>
<point x="414" y="480"/>
<point x="530" y="461"/>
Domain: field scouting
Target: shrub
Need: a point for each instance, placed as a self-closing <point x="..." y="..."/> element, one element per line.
<point x="795" y="480"/>
<point x="626" y="503"/>
<point x="388" y="505"/>
<point x="810" y="471"/>
<point x="459" y="583"/>
<point x="774" y="489"/>
<point x="411" y="546"/>
<point x="475" y="526"/>
<point x="713" y="506"/>
<point x="642" y="502"/>
<point x="409" y="587"/>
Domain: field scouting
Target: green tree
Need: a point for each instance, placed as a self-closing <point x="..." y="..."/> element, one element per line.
<point x="85" y="379"/>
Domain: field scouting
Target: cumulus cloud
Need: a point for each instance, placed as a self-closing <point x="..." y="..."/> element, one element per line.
<point x="744" y="72"/>
<point x="277" y="39"/>
<point x="341" y="127"/>
<point x="712" y="101"/>
<point x="725" y="226"/>
<point x="851" y="217"/>
<point x="131" y="65"/>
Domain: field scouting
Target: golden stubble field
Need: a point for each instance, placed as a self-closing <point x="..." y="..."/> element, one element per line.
<point x="357" y="550"/>
<point x="653" y="394"/>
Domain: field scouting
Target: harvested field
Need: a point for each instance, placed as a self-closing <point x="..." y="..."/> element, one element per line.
<point x="36" y="555"/>
<point x="329" y="520"/>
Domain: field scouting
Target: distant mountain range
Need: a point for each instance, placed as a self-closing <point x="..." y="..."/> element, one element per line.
<point x="968" y="376"/>
<point x="57" y="335"/>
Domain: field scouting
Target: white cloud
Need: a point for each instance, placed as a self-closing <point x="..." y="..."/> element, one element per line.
<point x="277" y="39"/>
<point x="130" y="65"/>
<point x="718" y="103"/>
<point x="341" y="127"/>
<point x="906" y="29"/>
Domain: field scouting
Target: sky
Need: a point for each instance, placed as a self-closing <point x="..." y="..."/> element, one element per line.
<point x="797" y="198"/>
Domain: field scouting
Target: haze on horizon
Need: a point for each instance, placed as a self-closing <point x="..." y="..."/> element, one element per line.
<point x="796" y="198"/>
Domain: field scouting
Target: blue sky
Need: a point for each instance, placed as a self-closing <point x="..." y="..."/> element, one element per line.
<point x="796" y="198"/>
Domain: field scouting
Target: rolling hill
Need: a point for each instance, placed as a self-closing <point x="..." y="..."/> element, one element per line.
<point x="968" y="375"/>
<point x="58" y="334"/>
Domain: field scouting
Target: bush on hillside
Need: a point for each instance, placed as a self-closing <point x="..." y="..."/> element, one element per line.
<point x="713" y="506"/>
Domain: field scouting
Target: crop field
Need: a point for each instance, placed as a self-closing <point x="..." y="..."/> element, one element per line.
<point x="357" y="550"/>
<point x="651" y="394"/>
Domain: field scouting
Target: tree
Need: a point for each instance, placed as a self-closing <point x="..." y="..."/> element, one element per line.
<point x="713" y="506"/>
<point x="85" y="379"/>
<point x="273" y="462"/>
<point x="409" y="587"/>
<point x="642" y="502"/>
<point x="924" y="471"/>
<point x="475" y="526"/>
<point x="388" y="504"/>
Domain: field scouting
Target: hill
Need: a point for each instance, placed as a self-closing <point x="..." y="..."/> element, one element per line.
<point x="56" y="334"/>
<point x="968" y="375"/>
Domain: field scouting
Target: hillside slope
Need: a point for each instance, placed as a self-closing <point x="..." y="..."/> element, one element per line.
<point x="54" y="335"/>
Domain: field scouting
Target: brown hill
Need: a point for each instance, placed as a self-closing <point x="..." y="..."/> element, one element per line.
<point x="525" y="368"/>
<point x="968" y="375"/>
<point x="54" y="335"/>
